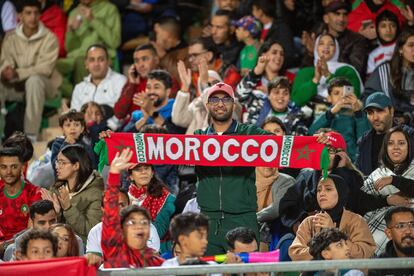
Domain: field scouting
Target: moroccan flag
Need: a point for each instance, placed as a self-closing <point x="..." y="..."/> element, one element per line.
<point x="221" y="150"/>
<point x="70" y="266"/>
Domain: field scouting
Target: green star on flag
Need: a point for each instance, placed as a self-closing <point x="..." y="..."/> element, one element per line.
<point x="121" y="147"/>
<point x="304" y="152"/>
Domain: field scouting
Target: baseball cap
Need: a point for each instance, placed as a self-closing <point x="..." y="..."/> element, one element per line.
<point x="337" y="5"/>
<point x="377" y="100"/>
<point x="249" y="23"/>
<point x="221" y="87"/>
<point x="337" y="140"/>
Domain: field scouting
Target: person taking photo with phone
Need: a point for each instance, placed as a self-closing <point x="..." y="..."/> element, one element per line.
<point x="344" y="116"/>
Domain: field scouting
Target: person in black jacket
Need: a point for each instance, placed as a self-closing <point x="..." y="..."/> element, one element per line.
<point x="400" y="232"/>
<point x="275" y="29"/>
<point x="380" y="114"/>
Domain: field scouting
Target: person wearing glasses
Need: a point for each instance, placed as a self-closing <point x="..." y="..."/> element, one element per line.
<point x="77" y="194"/>
<point x="227" y="195"/>
<point x="204" y="49"/>
<point x="394" y="176"/>
<point x="125" y="234"/>
<point x="400" y="232"/>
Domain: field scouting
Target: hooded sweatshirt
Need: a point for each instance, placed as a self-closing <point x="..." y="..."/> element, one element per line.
<point x="35" y="55"/>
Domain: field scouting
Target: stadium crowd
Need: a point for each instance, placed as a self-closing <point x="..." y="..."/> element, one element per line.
<point x="340" y="70"/>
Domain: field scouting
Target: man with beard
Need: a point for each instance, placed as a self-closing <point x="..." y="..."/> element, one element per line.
<point x="400" y="231"/>
<point x="16" y="195"/>
<point x="227" y="195"/>
<point x="102" y="85"/>
<point x="155" y="105"/>
<point x="380" y="114"/>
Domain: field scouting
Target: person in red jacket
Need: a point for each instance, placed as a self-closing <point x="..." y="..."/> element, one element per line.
<point x="145" y="60"/>
<point x="55" y="19"/>
<point x="125" y="235"/>
<point x="362" y="18"/>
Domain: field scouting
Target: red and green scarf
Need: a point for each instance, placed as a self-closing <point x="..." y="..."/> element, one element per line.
<point x="218" y="150"/>
<point x="153" y="204"/>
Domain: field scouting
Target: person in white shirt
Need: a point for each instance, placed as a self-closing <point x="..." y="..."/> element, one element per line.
<point x="387" y="27"/>
<point x="102" y="85"/>
<point x="8" y="16"/>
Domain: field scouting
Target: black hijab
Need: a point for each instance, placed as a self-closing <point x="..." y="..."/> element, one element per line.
<point x="342" y="189"/>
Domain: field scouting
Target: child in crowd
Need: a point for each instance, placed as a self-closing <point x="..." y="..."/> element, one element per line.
<point x="278" y="104"/>
<point x="331" y="244"/>
<point x="125" y="235"/>
<point x="248" y="29"/>
<point x="189" y="234"/>
<point x="38" y="245"/>
<point x="95" y="120"/>
<point x="68" y="245"/>
<point x="345" y="116"/>
<point x="388" y="29"/>
<point x="73" y="126"/>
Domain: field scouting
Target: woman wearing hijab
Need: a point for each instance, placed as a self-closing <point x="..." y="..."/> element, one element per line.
<point x="313" y="81"/>
<point x="394" y="176"/>
<point x="332" y="195"/>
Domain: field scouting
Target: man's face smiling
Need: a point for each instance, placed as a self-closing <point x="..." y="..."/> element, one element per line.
<point x="220" y="106"/>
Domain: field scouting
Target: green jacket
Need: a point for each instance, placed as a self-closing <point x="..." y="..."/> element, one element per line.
<point x="85" y="211"/>
<point x="352" y="127"/>
<point x="104" y="28"/>
<point x="228" y="189"/>
<point x="304" y="89"/>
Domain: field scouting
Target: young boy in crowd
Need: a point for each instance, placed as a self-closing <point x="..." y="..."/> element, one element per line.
<point x="73" y="126"/>
<point x="189" y="233"/>
<point x="345" y="116"/>
<point x="38" y="245"/>
<point x="278" y="104"/>
<point x="248" y="29"/>
<point x="331" y="244"/>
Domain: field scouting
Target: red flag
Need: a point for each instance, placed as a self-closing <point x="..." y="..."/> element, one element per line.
<point x="71" y="266"/>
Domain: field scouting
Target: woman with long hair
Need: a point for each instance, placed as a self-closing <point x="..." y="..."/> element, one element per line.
<point x="396" y="77"/>
<point x="68" y="245"/>
<point x="394" y="176"/>
<point x="253" y="88"/>
<point x="77" y="194"/>
<point x="147" y="191"/>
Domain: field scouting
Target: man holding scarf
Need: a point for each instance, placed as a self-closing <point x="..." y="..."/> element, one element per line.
<point x="227" y="195"/>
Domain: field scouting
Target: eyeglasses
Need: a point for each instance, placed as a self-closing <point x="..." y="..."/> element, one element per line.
<point x="194" y="55"/>
<point x="334" y="150"/>
<point x="224" y="100"/>
<point x="61" y="163"/>
<point x="142" y="222"/>
<point x="404" y="225"/>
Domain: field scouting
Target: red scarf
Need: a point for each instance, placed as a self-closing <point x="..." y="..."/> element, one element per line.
<point x="152" y="204"/>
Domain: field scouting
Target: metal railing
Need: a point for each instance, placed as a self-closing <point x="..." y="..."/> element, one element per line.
<point x="391" y="263"/>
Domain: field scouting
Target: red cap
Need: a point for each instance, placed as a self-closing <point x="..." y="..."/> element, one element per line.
<point x="221" y="87"/>
<point x="337" y="140"/>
